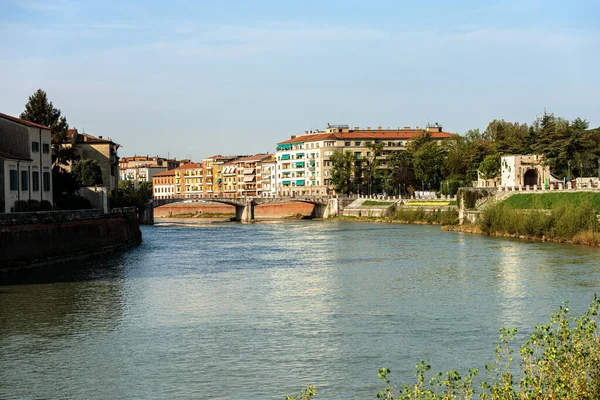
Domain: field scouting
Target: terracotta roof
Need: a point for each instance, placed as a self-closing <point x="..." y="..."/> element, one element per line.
<point x="6" y="154"/>
<point x="310" y="138"/>
<point x="255" y="157"/>
<point x="170" y="172"/>
<point x="22" y="121"/>
<point x="364" y="134"/>
<point x="189" y="166"/>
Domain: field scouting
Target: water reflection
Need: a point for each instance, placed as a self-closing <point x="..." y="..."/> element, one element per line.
<point x="278" y="306"/>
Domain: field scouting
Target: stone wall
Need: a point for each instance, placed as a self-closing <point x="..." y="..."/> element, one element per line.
<point x="193" y="208"/>
<point x="36" y="239"/>
<point x="283" y="210"/>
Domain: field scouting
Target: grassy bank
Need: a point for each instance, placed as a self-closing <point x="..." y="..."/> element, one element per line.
<point x="560" y="360"/>
<point x="415" y="216"/>
<point x="564" y="222"/>
<point x="549" y="201"/>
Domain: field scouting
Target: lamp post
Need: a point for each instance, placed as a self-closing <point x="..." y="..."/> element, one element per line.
<point x="447" y="188"/>
<point x="569" y="170"/>
<point x="599" y="168"/>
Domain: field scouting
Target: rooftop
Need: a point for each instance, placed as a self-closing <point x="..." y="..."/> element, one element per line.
<point x="22" y="121"/>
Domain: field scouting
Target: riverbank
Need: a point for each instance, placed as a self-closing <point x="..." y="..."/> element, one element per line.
<point x="39" y="239"/>
<point x="587" y="238"/>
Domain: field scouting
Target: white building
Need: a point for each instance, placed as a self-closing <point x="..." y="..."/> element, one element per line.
<point x="303" y="162"/>
<point x="269" y="178"/>
<point x="25" y="162"/>
<point x="524" y="170"/>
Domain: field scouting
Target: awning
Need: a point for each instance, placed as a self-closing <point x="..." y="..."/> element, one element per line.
<point x="299" y="154"/>
<point x="248" y="178"/>
<point x="284" y="146"/>
<point x="219" y="180"/>
<point x="312" y="163"/>
<point x="249" y="171"/>
<point x="285" y="183"/>
<point x="300" y="164"/>
<point x="286" y="172"/>
<point x="300" y="183"/>
<point x="285" y="156"/>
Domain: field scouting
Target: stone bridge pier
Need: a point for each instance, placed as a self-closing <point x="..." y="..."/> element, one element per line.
<point x="245" y="212"/>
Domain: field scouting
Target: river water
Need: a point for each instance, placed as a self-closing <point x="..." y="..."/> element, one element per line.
<point x="258" y="311"/>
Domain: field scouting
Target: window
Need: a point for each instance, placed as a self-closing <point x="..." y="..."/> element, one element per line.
<point x="46" y="148"/>
<point x="35" y="147"/>
<point x="357" y="143"/>
<point x="35" y="181"/>
<point x="46" y="178"/>
<point x="24" y="181"/>
<point x="346" y="143"/>
<point x="14" y="179"/>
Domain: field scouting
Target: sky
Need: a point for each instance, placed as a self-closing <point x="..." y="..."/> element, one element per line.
<point x="191" y="79"/>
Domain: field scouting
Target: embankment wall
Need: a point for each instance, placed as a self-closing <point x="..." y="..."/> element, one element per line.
<point x="283" y="210"/>
<point x="193" y="208"/>
<point x="36" y="239"/>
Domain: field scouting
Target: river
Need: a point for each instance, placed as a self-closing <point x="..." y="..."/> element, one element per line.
<point x="258" y="311"/>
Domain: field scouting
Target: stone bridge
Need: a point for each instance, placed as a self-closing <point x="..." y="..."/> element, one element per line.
<point x="244" y="206"/>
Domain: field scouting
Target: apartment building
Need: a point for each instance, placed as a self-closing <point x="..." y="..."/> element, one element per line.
<point x="163" y="185"/>
<point x="304" y="164"/>
<point x="188" y="181"/>
<point x="138" y="169"/>
<point x="269" y="177"/>
<point x="104" y="151"/>
<point x="213" y="172"/>
<point x="25" y="162"/>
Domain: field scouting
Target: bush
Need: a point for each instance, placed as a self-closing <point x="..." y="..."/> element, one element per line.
<point x="563" y="222"/>
<point x="21" y="206"/>
<point x="561" y="360"/>
<point x="45" y="205"/>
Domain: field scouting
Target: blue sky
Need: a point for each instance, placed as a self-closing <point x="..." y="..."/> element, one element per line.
<point x="196" y="78"/>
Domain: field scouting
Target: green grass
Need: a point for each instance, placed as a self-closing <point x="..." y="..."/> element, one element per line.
<point x="431" y="203"/>
<point x="377" y="203"/>
<point x="548" y="201"/>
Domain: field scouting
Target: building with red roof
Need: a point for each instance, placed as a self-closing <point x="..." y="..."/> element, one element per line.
<point x="304" y="165"/>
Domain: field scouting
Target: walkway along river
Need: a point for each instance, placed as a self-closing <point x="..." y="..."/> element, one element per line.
<point x="258" y="311"/>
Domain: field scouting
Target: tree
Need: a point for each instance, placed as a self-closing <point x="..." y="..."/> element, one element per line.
<point x="371" y="164"/>
<point x="490" y="166"/>
<point x="401" y="174"/>
<point x="428" y="160"/>
<point x="41" y="111"/>
<point x="342" y="172"/>
<point x="88" y="173"/>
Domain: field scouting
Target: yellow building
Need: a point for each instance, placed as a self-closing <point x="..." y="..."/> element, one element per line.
<point x="104" y="151"/>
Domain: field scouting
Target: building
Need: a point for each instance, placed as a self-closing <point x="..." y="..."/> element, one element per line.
<point x="304" y="164"/>
<point x="214" y="184"/>
<point x="524" y="170"/>
<point x="269" y="177"/>
<point x="25" y="162"/>
<point x="188" y="181"/>
<point x="104" y="151"/>
<point x="249" y="174"/>
<point x="163" y="185"/>
<point x="138" y="169"/>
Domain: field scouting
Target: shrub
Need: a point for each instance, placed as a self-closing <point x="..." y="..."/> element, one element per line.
<point x="560" y="360"/>
<point x="21" y="206"/>
<point x="45" y="205"/>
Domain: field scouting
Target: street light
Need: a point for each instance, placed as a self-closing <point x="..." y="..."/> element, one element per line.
<point x="569" y="170"/>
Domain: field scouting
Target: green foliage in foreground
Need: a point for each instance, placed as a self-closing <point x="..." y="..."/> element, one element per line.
<point x="563" y="222"/>
<point x="420" y="215"/>
<point x="560" y="360"/>
<point x="368" y="203"/>
<point x="547" y="201"/>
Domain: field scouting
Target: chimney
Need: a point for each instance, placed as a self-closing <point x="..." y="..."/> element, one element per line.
<point x="368" y="128"/>
<point x="357" y="128"/>
<point x="379" y="128"/>
<point x="99" y="137"/>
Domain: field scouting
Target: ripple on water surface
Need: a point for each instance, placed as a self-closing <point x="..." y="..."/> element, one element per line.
<point x="261" y="310"/>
